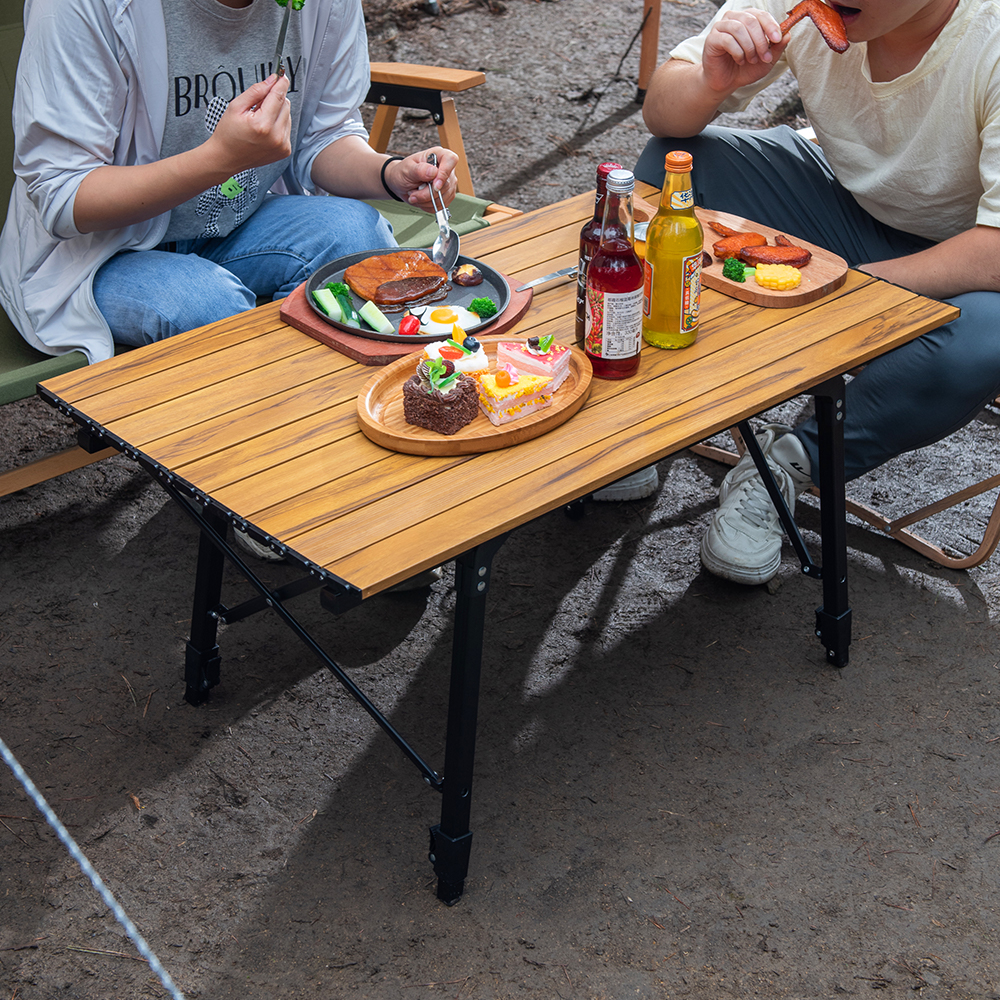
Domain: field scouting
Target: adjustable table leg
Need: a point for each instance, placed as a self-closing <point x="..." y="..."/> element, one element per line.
<point x="833" y="618"/>
<point x="201" y="663"/>
<point x="451" y="839"/>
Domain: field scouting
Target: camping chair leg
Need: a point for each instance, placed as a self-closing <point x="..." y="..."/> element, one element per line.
<point x="898" y="528"/>
<point x="649" y="48"/>
<point x="450" y="133"/>
<point x="382" y="125"/>
<point x="48" y="468"/>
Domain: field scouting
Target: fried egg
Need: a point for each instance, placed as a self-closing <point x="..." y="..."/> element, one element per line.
<point x="442" y="320"/>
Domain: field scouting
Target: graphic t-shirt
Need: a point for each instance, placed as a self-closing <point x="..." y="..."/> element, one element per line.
<point x="215" y="52"/>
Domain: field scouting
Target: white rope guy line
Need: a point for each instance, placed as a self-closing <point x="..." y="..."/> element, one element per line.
<point x="88" y="869"/>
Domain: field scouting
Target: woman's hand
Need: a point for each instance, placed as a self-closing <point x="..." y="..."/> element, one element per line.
<point x="410" y="177"/>
<point x="256" y="128"/>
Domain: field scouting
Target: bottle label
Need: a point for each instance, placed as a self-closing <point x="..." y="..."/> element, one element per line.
<point x="690" y="291"/>
<point x="586" y="256"/>
<point x="682" y="199"/>
<point x="614" y="323"/>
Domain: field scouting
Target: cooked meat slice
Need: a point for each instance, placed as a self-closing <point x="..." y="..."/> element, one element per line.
<point x="367" y="276"/>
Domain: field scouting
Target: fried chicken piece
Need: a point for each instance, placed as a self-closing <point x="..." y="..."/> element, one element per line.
<point x="829" y="22"/>
<point x="734" y="241"/>
<point x="785" y="252"/>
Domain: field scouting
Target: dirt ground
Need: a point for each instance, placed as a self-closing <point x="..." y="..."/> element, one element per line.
<point x="675" y="796"/>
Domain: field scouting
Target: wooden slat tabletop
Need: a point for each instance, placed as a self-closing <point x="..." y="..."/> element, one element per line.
<point x="262" y="418"/>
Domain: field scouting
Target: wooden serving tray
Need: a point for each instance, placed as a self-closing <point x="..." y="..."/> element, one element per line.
<point x="296" y="311"/>
<point x="380" y="412"/>
<point x="824" y="273"/>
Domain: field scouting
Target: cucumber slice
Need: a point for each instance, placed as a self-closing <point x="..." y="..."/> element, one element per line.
<point x="348" y="314"/>
<point x="375" y="318"/>
<point x="327" y="301"/>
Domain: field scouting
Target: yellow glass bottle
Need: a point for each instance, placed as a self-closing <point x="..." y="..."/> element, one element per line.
<point x="674" y="245"/>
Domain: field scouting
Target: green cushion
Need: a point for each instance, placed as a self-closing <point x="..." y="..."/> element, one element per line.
<point x="413" y="227"/>
<point x="21" y="366"/>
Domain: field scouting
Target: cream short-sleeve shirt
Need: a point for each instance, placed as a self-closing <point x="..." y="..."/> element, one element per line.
<point x="920" y="153"/>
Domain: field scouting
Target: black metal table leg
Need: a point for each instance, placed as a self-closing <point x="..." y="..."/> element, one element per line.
<point x="833" y="618"/>
<point x="451" y="839"/>
<point x="202" y="660"/>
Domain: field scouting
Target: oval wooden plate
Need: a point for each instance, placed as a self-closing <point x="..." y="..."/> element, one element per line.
<point x="380" y="412"/>
<point x="824" y="273"/>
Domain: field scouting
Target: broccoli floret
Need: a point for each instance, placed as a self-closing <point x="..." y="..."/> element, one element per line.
<point x="483" y="307"/>
<point x="734" y="269"/>
<point x="296" y="4"/>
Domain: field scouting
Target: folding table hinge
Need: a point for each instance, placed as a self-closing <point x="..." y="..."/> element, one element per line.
<point x="91" y="440"/>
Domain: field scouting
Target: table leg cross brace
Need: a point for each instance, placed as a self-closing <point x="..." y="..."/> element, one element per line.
<point x="203" y="661"/>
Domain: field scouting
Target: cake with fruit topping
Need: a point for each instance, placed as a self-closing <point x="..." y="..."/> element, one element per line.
<point x="507" y="394"/>
<point x="467" y="355"/>
<point x="439" y="398"/>
<point x="538" y="356"/>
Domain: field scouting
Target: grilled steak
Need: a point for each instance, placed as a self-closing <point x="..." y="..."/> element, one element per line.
<point x="395" y="278"/>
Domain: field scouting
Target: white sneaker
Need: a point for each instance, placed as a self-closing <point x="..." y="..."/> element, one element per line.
<point x="743" y="542"/>
<point x="635" y="487"/>
<point x="255" y="548"/>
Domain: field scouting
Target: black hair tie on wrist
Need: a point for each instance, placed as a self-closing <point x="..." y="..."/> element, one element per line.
<point x="388" y="190"/>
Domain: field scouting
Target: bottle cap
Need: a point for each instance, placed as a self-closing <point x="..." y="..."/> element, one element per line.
<point x="603" y="169"/>
<point x="621" y="181"/>
<point x="678" y="162"/>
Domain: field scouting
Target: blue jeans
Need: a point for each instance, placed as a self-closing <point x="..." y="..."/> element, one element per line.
<point x="906" y="399"/>
<point x="148" y="295"/>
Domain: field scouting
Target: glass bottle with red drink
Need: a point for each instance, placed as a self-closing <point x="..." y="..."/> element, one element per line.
<point x="590" y="238"/>
<point x="613" y="335"/>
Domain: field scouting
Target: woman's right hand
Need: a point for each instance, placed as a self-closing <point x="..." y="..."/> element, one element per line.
<point x="741" y="49"/>
<point x="256" y="128"/>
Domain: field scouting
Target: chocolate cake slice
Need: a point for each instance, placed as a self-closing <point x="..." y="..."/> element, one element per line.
<point x="444" y="411"/>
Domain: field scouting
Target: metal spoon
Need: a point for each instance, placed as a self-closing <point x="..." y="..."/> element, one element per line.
<point x="444" y="252"/>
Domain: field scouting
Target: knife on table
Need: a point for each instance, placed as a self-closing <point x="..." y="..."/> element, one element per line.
<point x="564" y="273"/>
<point x="280" y="68"/>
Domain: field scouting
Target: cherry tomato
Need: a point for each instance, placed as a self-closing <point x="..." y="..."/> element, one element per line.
<point x="452" y="353"/>
<point x="409" y="325"/>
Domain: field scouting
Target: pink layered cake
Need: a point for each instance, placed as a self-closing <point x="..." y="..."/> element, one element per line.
<point x="539" y="356"/>
<point x="506" y="394"/>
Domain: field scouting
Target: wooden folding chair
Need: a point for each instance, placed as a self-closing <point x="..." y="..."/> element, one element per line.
<point x="427" y="88"/>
